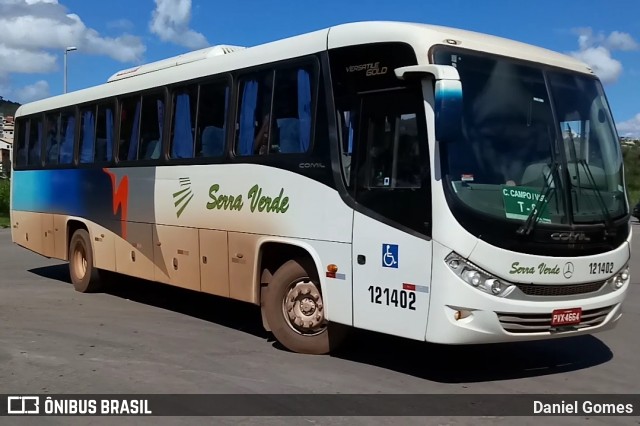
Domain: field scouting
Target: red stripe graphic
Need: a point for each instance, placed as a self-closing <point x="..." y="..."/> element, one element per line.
<point x="120" y="198"/>
<point x="410" y="287"/>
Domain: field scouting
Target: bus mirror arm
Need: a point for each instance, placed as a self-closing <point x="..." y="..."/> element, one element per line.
<point x="447" y="97"/>
<point x="437" y="72"/>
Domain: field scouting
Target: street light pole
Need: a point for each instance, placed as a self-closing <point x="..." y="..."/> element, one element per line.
<point x="67" y="50"/>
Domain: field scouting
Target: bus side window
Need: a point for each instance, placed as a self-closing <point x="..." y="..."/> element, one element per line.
<point x="87" y="135"/>
<point x="105" y="132"/>
<point x="51" y="139"/>
<point x="129" y="125"/>
<point x="152" y="119"/>
<point x="185" y="101"/>
<point x="212" y="119"/>
<point x="347" y="122"/>
<point x="253" y="123"/>
<point x="34" y="157"/>
<point x="292" y="111"/>
<point x="22" y="138"/>
<point x="67" y="137"/>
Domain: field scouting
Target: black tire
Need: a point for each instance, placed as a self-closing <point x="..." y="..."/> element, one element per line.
<point x="84" y="275"/>
<point x="287" y="276"/>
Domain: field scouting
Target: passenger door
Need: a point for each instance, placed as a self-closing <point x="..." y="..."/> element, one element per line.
<point x="390" y="181"/>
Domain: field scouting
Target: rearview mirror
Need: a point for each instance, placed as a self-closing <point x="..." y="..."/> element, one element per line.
<point x="448" y="111"/>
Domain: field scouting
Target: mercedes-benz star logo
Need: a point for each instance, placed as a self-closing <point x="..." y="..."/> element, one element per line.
<point x="568" y="270"/>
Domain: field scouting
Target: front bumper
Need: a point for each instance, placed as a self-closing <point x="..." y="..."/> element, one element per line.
<point x="461" y="314"/>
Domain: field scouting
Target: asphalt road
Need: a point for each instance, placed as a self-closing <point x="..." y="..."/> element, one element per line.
<point x="147" y="338"/>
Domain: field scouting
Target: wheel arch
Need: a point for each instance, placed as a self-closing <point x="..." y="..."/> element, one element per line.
<point x="72" y="225"/>
<point x="273" y="252"/>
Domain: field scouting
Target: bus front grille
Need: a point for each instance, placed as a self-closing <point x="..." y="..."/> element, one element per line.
<point x="559" y="290"/>
<point x="540" y="323"/>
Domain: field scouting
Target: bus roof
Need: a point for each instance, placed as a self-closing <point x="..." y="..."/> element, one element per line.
<point x="424" y="36"/>
<point x="224" y="58"/>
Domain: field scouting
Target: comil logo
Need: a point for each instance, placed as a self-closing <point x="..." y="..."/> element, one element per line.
<point x="182" y="198"/>
<point x="23" y="405"/>
<point x="570" y="236"/>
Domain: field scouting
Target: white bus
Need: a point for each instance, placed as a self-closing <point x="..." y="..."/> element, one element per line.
<point x="414" y="180"/>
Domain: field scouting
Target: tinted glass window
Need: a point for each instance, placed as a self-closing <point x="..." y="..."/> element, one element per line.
<point x="183" y="123"/>
<point x="21" y="146"/>
<point x="292" y="104"/>
<point x="279" y="125"/>
<point x="212" y="118"/>
<point x="385" y="155"/>
<point x="52" y="138"/>
<point x="151" y="127"/>
<point x="105" y="132"/>
<point x="129" y="125"/>
<point x="35" y="137"/>
<point x="253" y="121"/>
<point x="87" y="134"/>
<point x="67" y="137"/>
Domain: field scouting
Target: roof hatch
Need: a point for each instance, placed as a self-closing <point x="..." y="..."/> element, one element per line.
<point x="196" y="55"/>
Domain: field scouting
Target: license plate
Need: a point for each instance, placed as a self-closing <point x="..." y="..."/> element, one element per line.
<point x="566" y="316"/>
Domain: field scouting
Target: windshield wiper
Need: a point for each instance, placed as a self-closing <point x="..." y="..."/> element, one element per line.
<point x="532" y="218"/>
<point x="609" y="226"/>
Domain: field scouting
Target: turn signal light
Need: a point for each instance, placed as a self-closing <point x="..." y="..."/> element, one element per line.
<point x="458" y="315"/>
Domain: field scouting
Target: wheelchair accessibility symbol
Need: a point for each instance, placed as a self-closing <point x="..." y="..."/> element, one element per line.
<point x="390" y="255"/>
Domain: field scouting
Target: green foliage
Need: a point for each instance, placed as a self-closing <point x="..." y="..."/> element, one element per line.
<point x="8" y="107"/>
<point x="4" y="197"/>
<point x="631" y="156"/>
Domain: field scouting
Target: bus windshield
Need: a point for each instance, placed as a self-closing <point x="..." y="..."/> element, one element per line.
<point x="528" y="132"/>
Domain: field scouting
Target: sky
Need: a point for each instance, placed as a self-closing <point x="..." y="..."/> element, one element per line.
<point x="111" y="35"/>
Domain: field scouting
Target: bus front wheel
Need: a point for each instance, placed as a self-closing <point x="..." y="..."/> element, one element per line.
<point x="294" y="309"/>
<point x="84" y="275"/>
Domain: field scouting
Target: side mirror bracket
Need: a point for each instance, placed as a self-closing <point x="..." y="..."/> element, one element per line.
<point x="447" y="96"/>
<point x="437" y="72"/>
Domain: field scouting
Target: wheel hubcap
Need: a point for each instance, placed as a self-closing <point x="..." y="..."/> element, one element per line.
<point x="303" y="308"/>
<point x="80" y="262"/>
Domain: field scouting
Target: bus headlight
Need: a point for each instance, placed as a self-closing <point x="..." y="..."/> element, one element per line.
<point x="495" y="286"/>
<point x="620" y="279"/>
<point x="478" y="278"/>
<point x="473" y="277"/>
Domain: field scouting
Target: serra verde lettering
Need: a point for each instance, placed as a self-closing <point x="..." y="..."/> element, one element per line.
<point x="223" y="202"/>
<point x="542" y="269"/>
<point x="257" y="201"/>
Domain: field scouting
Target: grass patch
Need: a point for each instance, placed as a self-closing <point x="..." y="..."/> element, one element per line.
<point x="4" y="203"/>
<point x="5" y="187"/>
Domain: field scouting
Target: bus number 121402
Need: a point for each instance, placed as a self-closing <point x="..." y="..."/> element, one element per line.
<point x="398" y="298"/>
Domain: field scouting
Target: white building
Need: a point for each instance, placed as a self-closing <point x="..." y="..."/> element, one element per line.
<point x="6" y="143"/>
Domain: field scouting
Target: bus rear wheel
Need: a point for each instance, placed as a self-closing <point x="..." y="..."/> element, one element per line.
<point x="84" y="275"/>
<point x="294" y="309"/>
